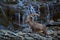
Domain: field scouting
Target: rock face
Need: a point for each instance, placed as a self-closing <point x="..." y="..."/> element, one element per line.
<point x="27" y="30"/>
<point x="8" y="35"/>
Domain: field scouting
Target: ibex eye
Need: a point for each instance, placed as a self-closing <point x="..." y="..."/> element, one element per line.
<point x="30" y="17"/>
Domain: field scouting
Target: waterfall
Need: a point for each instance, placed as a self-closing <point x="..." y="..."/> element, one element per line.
<point x="19" y="18"/>
<point x="27" y="12"/>
<point x="48" y="15"/>
<point x="20" y="3"/>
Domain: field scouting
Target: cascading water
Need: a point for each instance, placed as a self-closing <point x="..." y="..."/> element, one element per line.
<point x="26" y="10"/>
<point x="20" y="3"/>
<point x="48" y="14"/>
<point x="19" y="17"/>
<point x="32" y="9"/>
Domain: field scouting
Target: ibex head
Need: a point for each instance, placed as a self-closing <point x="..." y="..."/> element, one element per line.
<point x="29" y="17"/>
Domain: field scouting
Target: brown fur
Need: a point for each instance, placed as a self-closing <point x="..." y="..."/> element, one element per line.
<point x="36" y="27"/>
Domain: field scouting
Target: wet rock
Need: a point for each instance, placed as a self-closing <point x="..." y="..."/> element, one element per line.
<point x="26" y="35"/>
<point x="50" y="32"/>
<point x="20" y="38"/>
<point x="58" y="32"/>
<point x="36" y="36"/>
<point x="29" y="38"/>
<point x="20" y="33"/>
<point x="27" y="30"/>
<point x="8" y="35"/>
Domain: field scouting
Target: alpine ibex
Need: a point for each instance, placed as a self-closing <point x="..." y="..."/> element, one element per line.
<point x="36" y="27"/>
